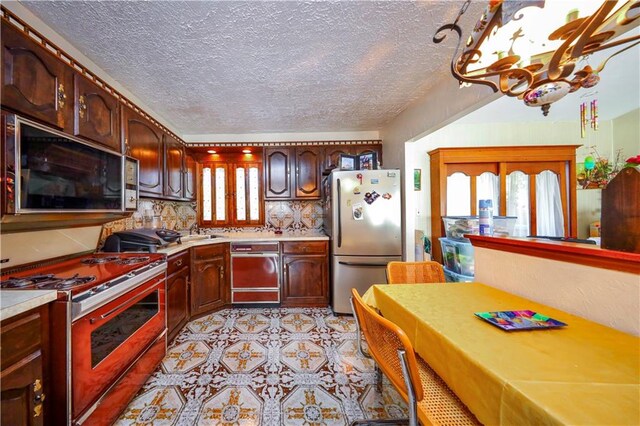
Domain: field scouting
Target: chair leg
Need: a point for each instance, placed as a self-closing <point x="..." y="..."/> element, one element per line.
<point x="358" y="332"/>
<point x="379" y="379"/>
<point x="412" y="403"/>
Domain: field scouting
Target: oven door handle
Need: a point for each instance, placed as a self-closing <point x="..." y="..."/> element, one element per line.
<point x="127" y="302"/>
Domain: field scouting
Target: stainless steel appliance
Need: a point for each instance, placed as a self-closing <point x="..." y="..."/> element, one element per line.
<point x="108" y="330"/>
<point x="255" y="272"/>
<point x="364" y="220"/>
<point x="49" y="176"/>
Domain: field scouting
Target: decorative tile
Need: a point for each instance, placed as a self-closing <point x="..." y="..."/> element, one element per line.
<point x="303" y="356"/>
<point x="158" y="407"/>
<point x="312" y="407"/>
<point x="244" y="357"/>
<point x="252" y="323"/>
<point x="264" y="366"/>
<point x="297" y="323"/>
<point x="169" y="217"/>
<point x="342" y="323"/>
<point x="232" y="406"/>
<point x="184" y="357"/>
<point x="206" y="324"/>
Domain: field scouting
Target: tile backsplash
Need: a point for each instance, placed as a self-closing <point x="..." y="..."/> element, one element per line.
<point x="287" y="215"/>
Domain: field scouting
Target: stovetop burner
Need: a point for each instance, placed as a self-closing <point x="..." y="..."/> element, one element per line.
<point x="22" y="282"/>
<point x="99" y="260"/>
<point x="66" y="283"/>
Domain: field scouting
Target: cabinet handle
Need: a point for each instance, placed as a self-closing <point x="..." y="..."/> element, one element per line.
<point x="179" y="263"/>
<point x="62" y="97"/>
<point x="221" y="272"/>
<point x="82" y="108"/>
<point x="38" y="398"/>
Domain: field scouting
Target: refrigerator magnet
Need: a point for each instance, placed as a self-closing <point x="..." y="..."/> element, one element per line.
<point x="386" y="196"/>
<point x="358" y="211"/>
<point x="356" y="190"/>
<point x="370" y="197"/>
<point x="375" y="181"/>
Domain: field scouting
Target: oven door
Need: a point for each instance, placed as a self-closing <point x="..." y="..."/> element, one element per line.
<point x="106" y="341"/>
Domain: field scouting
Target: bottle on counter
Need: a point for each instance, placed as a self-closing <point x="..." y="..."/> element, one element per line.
<point x="486" y="217"/>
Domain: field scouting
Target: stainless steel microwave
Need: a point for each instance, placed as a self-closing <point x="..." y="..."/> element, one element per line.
<point x="49" y="172"/>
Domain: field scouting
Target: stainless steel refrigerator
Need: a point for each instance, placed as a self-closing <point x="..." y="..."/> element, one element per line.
<point x="363" y="217"/>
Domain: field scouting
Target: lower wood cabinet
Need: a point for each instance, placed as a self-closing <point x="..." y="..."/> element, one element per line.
<point x="209" y="278"/>
<point x="178" y="272"/>
<point x="22" y="377"/>
<point x="305" y="278"/>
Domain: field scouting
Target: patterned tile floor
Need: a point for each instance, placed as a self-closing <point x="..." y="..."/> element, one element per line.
<point x="264" y="367"/>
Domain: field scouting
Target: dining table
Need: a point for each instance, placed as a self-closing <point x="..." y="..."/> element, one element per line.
<point x="583" y="373"/>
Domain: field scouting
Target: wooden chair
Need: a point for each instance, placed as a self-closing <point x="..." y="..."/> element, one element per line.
<point x="414" y="272"/>
<point x="429" y="399"/>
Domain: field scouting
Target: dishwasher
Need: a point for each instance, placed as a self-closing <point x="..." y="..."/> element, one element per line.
<point x="255" y="272"/>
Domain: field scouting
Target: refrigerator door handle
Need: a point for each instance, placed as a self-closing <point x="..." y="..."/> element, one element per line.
<point x="361" y="264"/>
<point x="339" y="217"/>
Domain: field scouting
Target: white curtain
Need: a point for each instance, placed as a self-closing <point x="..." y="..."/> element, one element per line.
<point x="518" y="202"/>
<point x="550" y="221"/>
<point x="488" y="188"/>
<point x="458" y="195"/>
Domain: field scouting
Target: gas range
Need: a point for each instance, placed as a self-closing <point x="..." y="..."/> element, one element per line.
<point x="90" y="280"/>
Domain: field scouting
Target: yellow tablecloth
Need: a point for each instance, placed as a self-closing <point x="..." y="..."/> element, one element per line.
<point x="584" y="373"/>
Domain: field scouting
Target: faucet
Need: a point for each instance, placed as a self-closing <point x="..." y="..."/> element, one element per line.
<point x="193" y="228"/>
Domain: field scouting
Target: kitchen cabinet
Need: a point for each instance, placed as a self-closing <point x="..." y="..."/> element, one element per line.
<point x="178" y="273"/>
<point x="210" y="286"/>
<point x="34" y="82"/>
<point x="308" y="175"/>
<point x="190" y="173"/>
<point x="332" y="153"/>
<point x="174" y="157"/>
<point x="24" y="338"/>
<point x="95" y="113"/>
<point x="278" y="163"/>
<point x="231" y="193"/>
<point x="305" y="266"/>
<point x="143" y="141"/>
<point x="293" y="172"/>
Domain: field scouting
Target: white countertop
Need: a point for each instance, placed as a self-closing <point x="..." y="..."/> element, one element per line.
<point x="14" y="302"/>
<point x="244" y="237"/>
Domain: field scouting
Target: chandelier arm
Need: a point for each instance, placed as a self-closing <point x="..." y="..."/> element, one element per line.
<point x="589" y="51"/>
<point x="601" y="66"/>
<point x="583" y="33"/>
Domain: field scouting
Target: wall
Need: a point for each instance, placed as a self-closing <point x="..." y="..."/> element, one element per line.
<point x="608" y="297"/>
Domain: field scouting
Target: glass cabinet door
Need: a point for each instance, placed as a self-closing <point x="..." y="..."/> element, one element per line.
<point x="458" y="194"/>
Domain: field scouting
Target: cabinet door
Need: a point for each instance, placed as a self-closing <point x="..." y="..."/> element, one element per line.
<point x="209" y="282"/>
<point x="305" y="280"/>
<point x="177" y="302"/>
<point x="308" y="172"/>
<point x="22" y="397"/>
<point x="332" y="155"/>
<point x="190" y="170"/>
<point x="173" y="167"/>
<point x="34" y="82"/>
<point x="277" y="173"/>
<point x="95" y="113"/>
<point x="143" y="141"/>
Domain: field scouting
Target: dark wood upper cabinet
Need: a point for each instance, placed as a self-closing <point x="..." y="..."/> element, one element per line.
<point x="308" y="171"/>
<point x="367" y="149"/>
<point x="332" y="155"/>
<point x="34" y="82"/>
<point x="143" y="141"/>
<point x="277" y="172"/>
<point x="190" y="173"/>
<point x="173" y="167"/>
<point x="96" y="113"/>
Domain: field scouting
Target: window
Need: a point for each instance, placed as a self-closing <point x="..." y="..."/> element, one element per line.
<point x="231" y="194"/>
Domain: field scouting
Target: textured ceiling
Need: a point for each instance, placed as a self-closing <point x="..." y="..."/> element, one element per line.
<point x="255" y="67"/>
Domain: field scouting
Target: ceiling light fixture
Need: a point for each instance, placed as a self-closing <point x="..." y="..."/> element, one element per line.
<point x="211" y="151"/>
<point x="246" y="151"/>
<point x="529" y="49"/>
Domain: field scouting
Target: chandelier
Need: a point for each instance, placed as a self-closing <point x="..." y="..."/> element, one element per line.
<point x="538" y="50"/>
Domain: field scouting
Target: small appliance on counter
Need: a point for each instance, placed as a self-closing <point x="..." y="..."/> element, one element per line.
<point x="147" y="240"/>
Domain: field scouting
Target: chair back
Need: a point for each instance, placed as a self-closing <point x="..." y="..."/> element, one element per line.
<point x="384" y="339"/>
<point x="414" y="272"/>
